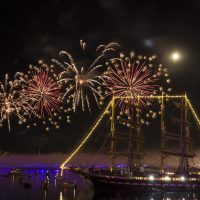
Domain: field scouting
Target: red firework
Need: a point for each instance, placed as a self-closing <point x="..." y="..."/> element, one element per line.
<point x="42" y="92"/>
<point x="129" y="80"/>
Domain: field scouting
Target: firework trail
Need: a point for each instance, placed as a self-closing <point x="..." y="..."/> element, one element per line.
<point x="83" y="82"/>
<point x="13" y="103"/>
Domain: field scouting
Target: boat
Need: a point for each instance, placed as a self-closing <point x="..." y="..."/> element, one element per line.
<point x="16" y="172"/>
<point x="134" y="176"/>
<point x="59" y="177"/>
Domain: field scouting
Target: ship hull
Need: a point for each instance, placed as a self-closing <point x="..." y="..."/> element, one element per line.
<point x="111" y="183"/>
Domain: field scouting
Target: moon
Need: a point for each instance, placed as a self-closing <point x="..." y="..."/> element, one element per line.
<point x="175" y="56"/>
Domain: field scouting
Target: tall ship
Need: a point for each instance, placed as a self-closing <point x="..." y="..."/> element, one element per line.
<point x="176" y="142"/>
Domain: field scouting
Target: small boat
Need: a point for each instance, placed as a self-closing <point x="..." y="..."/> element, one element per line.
<point x="58" y="177"/>
<point x="45" y="185"/>
<point x="70" y="184"/>
<point x="16" y="171"/>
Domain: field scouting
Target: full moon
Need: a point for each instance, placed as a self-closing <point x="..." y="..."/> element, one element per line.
<point x="175" y="56"/>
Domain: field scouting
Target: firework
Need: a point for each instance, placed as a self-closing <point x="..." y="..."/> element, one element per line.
<point x="41" y="89"/>
<point x="130" y="77"/>
<point x="42" y="92"/>
<point x="13" y="103"/>
<point x="83" y="82"/>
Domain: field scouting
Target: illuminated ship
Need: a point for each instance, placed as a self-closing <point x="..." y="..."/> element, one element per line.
<point x="137" y="177"/>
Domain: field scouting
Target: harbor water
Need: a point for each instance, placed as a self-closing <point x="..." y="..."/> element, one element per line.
<point x="47" y="184"/>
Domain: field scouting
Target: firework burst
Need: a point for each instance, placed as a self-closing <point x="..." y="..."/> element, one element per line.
<point x="13" y="103"/>
<point x="43" y="92"/>
<point x="83" y="82"/>
<point x="130" y="77"/>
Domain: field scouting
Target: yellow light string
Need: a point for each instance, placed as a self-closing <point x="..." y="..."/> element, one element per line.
<point x="192" y="110"/>
<point x="86" y="138"/>
<point x="105" y="111"/>
<point x="151" y="97"/>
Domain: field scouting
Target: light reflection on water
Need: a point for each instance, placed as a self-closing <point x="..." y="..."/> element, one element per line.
<point x="71" y="187"/>
<point x="12" y="187"/>
<point x="149" y="196"/>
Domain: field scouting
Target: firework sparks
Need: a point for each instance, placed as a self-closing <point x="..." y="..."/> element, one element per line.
<point x="42" y="92"/>
<point x="83" y="82"/>
<point x="132" y="77"/>
<point x="13" y="103"/>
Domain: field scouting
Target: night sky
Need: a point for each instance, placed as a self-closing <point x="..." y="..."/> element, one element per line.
<point x="32" y="30"/>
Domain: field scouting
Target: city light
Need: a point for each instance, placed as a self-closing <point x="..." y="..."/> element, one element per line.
<point x="151" y="178"/>
<point x="166" y="178"/>
<point x="182" y="178"/>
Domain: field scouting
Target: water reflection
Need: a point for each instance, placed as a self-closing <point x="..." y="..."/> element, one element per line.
<point x="56" y="185"/>
<point x="147" y="196"/>
<point x="61" y="196"/>
<point x="13" y="180"/>
<point x="45" y="195"/>
<point x="74" y="193"/>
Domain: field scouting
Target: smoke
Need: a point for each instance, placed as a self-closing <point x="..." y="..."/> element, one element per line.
<point x="152" y="158"/>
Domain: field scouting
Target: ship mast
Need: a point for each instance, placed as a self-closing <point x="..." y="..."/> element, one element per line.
<point x="163" y="134"/>
<point x="133" y="137"/>
<point x="182" y="137"/>
<point x="112" y="133"/>
<point x="185" y="144"/>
